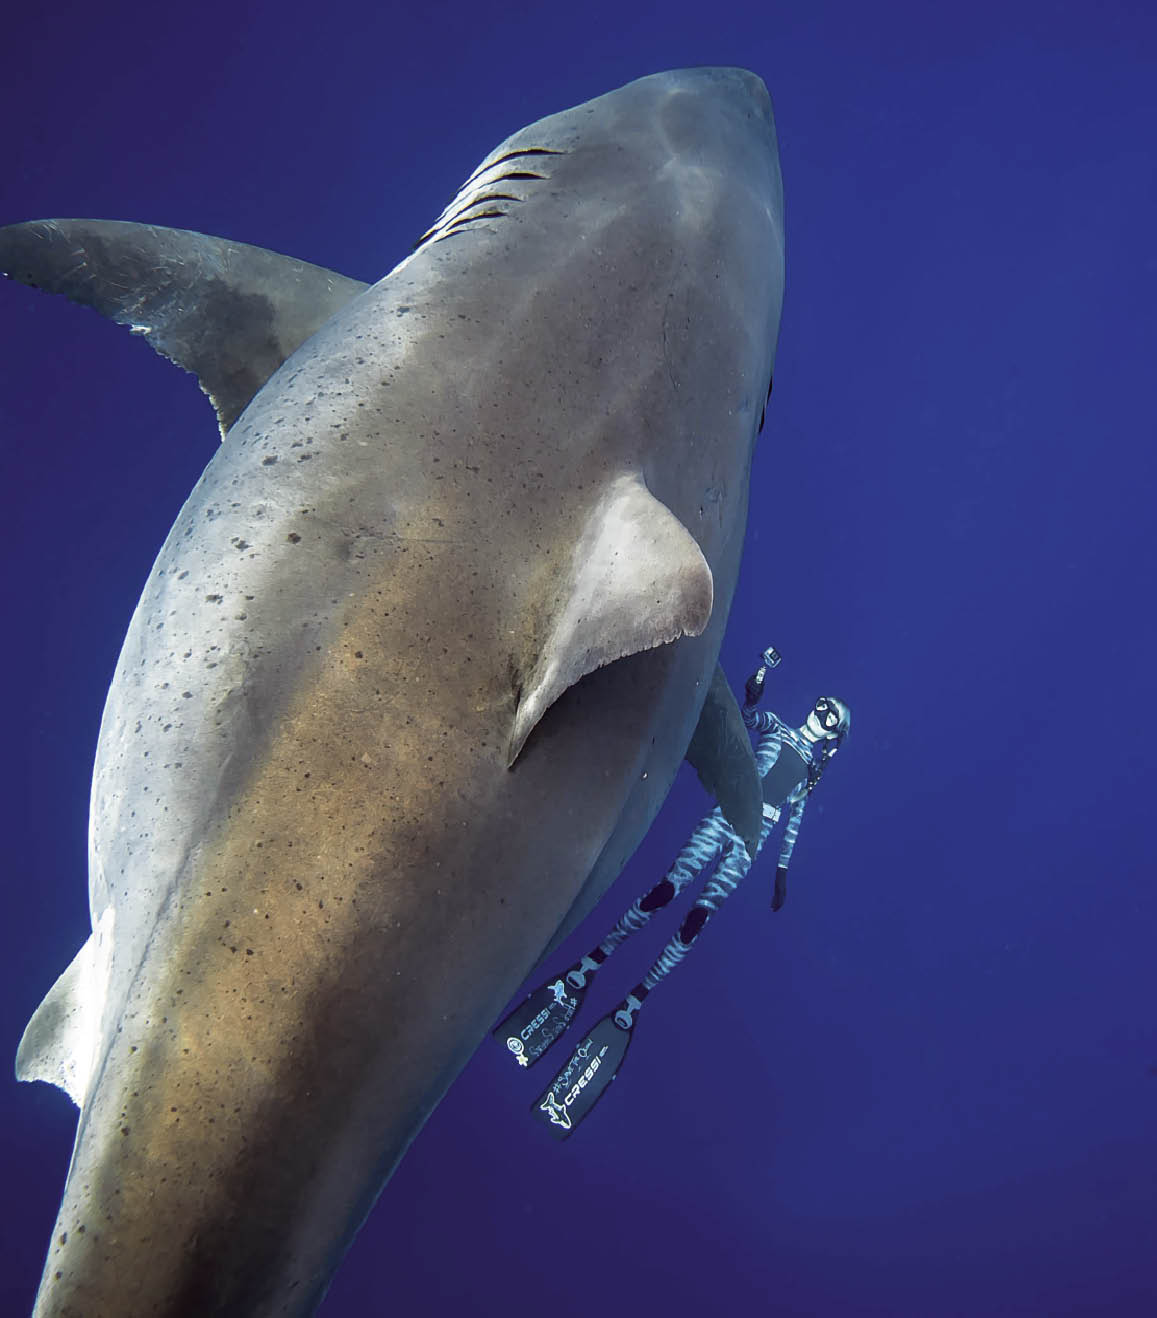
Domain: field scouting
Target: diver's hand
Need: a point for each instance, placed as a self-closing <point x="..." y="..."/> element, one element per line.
<point x="754" y="688"/>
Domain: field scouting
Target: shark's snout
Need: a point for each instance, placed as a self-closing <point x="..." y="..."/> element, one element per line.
<point x="746" y="90"/>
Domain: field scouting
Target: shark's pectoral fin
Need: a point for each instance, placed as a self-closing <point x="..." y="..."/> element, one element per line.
<point x="721" y="754"/>
<point x="637" y="579"/>
<point x="228" y="312"/>
<point x="60" y="1042"/>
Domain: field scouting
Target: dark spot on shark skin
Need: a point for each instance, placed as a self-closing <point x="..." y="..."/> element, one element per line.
<point x="293" y="537"/>
<point x="268" y="462"/>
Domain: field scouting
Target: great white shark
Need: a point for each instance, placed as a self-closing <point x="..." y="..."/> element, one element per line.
<point x="410" y="677"/>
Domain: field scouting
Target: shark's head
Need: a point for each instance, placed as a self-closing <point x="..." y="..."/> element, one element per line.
<point x="695" y="123"/>
<point x="674" y="179"/>
<point x="654" y="215"/>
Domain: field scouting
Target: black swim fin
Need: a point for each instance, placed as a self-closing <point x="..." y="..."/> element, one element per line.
<point x="779" y="894"/>
<point x="529" y="1030"/>
<point x="584" y="1079"/>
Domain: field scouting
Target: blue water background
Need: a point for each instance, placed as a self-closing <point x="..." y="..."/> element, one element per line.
<point x="928" y="1086"/>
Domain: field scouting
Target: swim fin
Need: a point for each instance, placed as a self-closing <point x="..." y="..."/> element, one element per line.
<point x="779" y="895"/>
<point x="529" y="1030"/>
<point x="584" y="1079"/>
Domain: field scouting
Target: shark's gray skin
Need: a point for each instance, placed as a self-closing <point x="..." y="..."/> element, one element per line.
<point x="410" y="677"/>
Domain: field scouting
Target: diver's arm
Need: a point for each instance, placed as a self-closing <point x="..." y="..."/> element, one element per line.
<point x="753" y="693"/>
<point x="790" y="833"/>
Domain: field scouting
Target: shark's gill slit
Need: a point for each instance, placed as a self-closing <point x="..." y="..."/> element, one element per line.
<point x="469" y="219"/>
<point x="481" y="201"/>
<point x="455" y="216"/>
<point x="480" y="215"/>
<point x="495" y="196"/>
<point x="512" y="155"/>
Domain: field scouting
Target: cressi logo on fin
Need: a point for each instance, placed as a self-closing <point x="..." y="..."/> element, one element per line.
<point x="584" y="1079"/>
<point x="530" y="1030"/>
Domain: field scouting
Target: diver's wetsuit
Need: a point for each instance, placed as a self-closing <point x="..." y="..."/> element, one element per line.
<point x="790" y="762"/>
<point x="783" y="758"/>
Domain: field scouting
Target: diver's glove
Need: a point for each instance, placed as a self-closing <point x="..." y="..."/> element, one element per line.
<point x="779" y="896"/>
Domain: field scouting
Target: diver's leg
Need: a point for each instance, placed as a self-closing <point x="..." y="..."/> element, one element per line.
<point x="700" y="851"/>
<point x="717" y="889"/>
<point x="530" y="1029"/>
<point x="594" y="1063"/>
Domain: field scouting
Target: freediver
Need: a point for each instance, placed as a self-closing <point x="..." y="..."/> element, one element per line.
<point x="790" y="762"/>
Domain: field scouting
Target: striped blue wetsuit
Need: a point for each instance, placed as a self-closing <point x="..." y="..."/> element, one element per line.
<point x="783" y="758"/>
<point x="790" y="762"/>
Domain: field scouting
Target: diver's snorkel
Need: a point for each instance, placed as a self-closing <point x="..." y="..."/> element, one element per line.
<point x="834" y="720"/>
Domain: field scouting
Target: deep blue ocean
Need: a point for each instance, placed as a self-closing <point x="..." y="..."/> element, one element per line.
<point x="927" y="1086"/>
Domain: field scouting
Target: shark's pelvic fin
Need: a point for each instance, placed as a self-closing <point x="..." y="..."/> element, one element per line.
<point x="60" y="1043"/>
<point x="637" y="579"/>
<point x="228" y="312"/>
<point x="721" y="754"/>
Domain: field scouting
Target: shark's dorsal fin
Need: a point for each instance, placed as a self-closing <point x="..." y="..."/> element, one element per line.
<point x="721" y="754"/>
<point x="61" y="1040"/>
<point x="228" y="312"/>
<point x="637" y="579"/>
